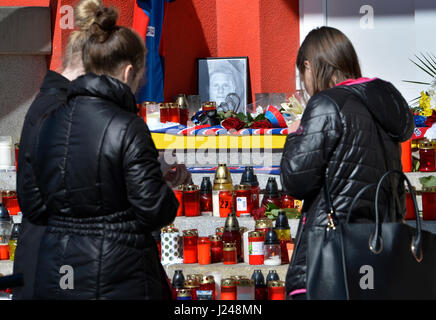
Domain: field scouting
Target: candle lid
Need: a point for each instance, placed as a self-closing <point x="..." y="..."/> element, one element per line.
<point x="263" y="223"/>
<point x="219" y="230"/>
<point x="229" y="246"/>
<point x="243" y="187"/>
<point x="146" y="103"/>
<point x="182" y="101"/>
<point x="228" y="282"/>
<point x="162" y="105"/>
<point x="271" y="237"/>
<point x="276" y="283"/>
<point x="258" y="278"/>
<point x="256" y="234"/>
<point x="426" y="144"/>
<point x="207" y="280"/>
<point x="245" y="282"/>
<point x="271" y="187"/>
<point x="181" y="187"/>
<point x="248" y="177"/>
<point x="272" y="276"/>
<point x="231" y="223"/>
<point x="192" y="187"/>
<point x="282" y="220"/>
<point x="184" y="293"/>
<point x="8" y="193"/>
<point x="206" y="185"/>
<point x="215" y="237"/>
<point x="222" y="175"/>
<point x="190" y="232"/>
<point x="191" y="283"/>
<point x="209" y="104"/>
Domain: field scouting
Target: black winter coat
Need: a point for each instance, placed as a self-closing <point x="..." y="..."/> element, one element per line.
<point x="352" y="134"/>
<point x="53" y="94"/>
<point x="101" y="194"/>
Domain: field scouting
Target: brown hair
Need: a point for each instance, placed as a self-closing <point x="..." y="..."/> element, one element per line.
<point x="109" y="45"/>
<point x="331" y="55"/>
<point x="84" y="17"/>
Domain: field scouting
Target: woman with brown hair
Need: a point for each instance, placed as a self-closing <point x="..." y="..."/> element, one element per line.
<point x="349" y="135"/>
<point x="98" y="184"/>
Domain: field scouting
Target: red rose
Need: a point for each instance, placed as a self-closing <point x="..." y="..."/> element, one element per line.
<point x="233" y="123"/>
<point x="261" y="124"/>
<point x="259" y="213"/>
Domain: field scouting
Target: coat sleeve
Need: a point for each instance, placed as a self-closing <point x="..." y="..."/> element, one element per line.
<point x="308" y="150"/>
<point x="29" y="195"/>
<point x="152" y="201"/>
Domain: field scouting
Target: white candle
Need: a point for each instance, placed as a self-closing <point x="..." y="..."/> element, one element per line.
<point x="5" y="152"/>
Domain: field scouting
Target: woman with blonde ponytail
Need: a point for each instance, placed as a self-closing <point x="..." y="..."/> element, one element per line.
<point x="53" y="93"/>
<point x="99" y="188"/>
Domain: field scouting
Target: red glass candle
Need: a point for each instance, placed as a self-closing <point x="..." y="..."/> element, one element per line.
<point x="219" y="231"/>
<point x="174" y="113"/>
<point x="427" y="157"/>
<point x="193" y="285"/>
<point x="261" y="293"/>
<point x="208" y="284"/>
<point x="225" y="203"/>
<point x="244" y="201"/>
<point x="287" y="201"/>
<point x="190" y="238"/>
<point x="216" y="245"/>
<point x="234" y="236"/>
<point x="164" y="112"/>
<point x="206" y="204"/>
<point x="184" y="115"/>
<point x="256" y="252"/>
<point x="4" y="252"/>
<point x="179" y="195"/>
<point x="410" y="209"/>
<point x="191" y="201"/>
<point x="208" y="106"/>
<point x="267" y="199"/>
<point x="255" y="191"/>
<point x="429" y="204"/>
<point x="11" y="202"/>
<point x="228" y="289"/>
<point x="276" y="290"/>
<point x="204" y="250"/>
<point x="230" y="254"/>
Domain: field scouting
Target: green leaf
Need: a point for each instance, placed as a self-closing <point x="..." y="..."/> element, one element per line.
<point x="417" y="82"/>
<point x="428" y="182"/>
<point x="259" y="117"/>
<point x="432" y="66"/>
<point x="271" y="206"/>
<point x="422" y="68"/>
<point x="250" y="117"/>
<point x="241" y="116"/>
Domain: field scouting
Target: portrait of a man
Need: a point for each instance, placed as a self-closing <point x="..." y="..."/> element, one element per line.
<point x="224" y="80"/>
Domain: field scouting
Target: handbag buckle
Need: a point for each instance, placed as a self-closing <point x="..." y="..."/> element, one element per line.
<point x="331" y="223"/>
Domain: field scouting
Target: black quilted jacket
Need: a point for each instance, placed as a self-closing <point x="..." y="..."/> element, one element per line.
<point x="100" y="191"/>
<point x="351" y="134"/>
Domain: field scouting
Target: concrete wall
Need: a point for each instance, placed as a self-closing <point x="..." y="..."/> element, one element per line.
<point x="25" y="34"/>
<point x="20" y="79"/>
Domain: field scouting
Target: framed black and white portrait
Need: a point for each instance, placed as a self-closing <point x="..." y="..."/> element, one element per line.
<point x="224" y="80"/>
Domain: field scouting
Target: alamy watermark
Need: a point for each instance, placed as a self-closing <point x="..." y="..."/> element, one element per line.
<point x="67" y="280"/>
<point x="367" y="280"/>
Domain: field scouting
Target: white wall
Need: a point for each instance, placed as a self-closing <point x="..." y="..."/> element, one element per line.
<point x="384" y="40"/>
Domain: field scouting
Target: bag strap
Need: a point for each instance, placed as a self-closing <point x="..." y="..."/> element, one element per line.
<point x="331" y="214"/>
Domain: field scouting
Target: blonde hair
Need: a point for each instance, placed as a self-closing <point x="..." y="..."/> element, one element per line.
<point x="84" y="17"/>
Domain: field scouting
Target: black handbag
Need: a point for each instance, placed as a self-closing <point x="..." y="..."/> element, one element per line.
<point x="381" y="260"/>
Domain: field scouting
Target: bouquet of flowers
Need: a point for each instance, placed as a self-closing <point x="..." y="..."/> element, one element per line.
<point x="424" y="106"/>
